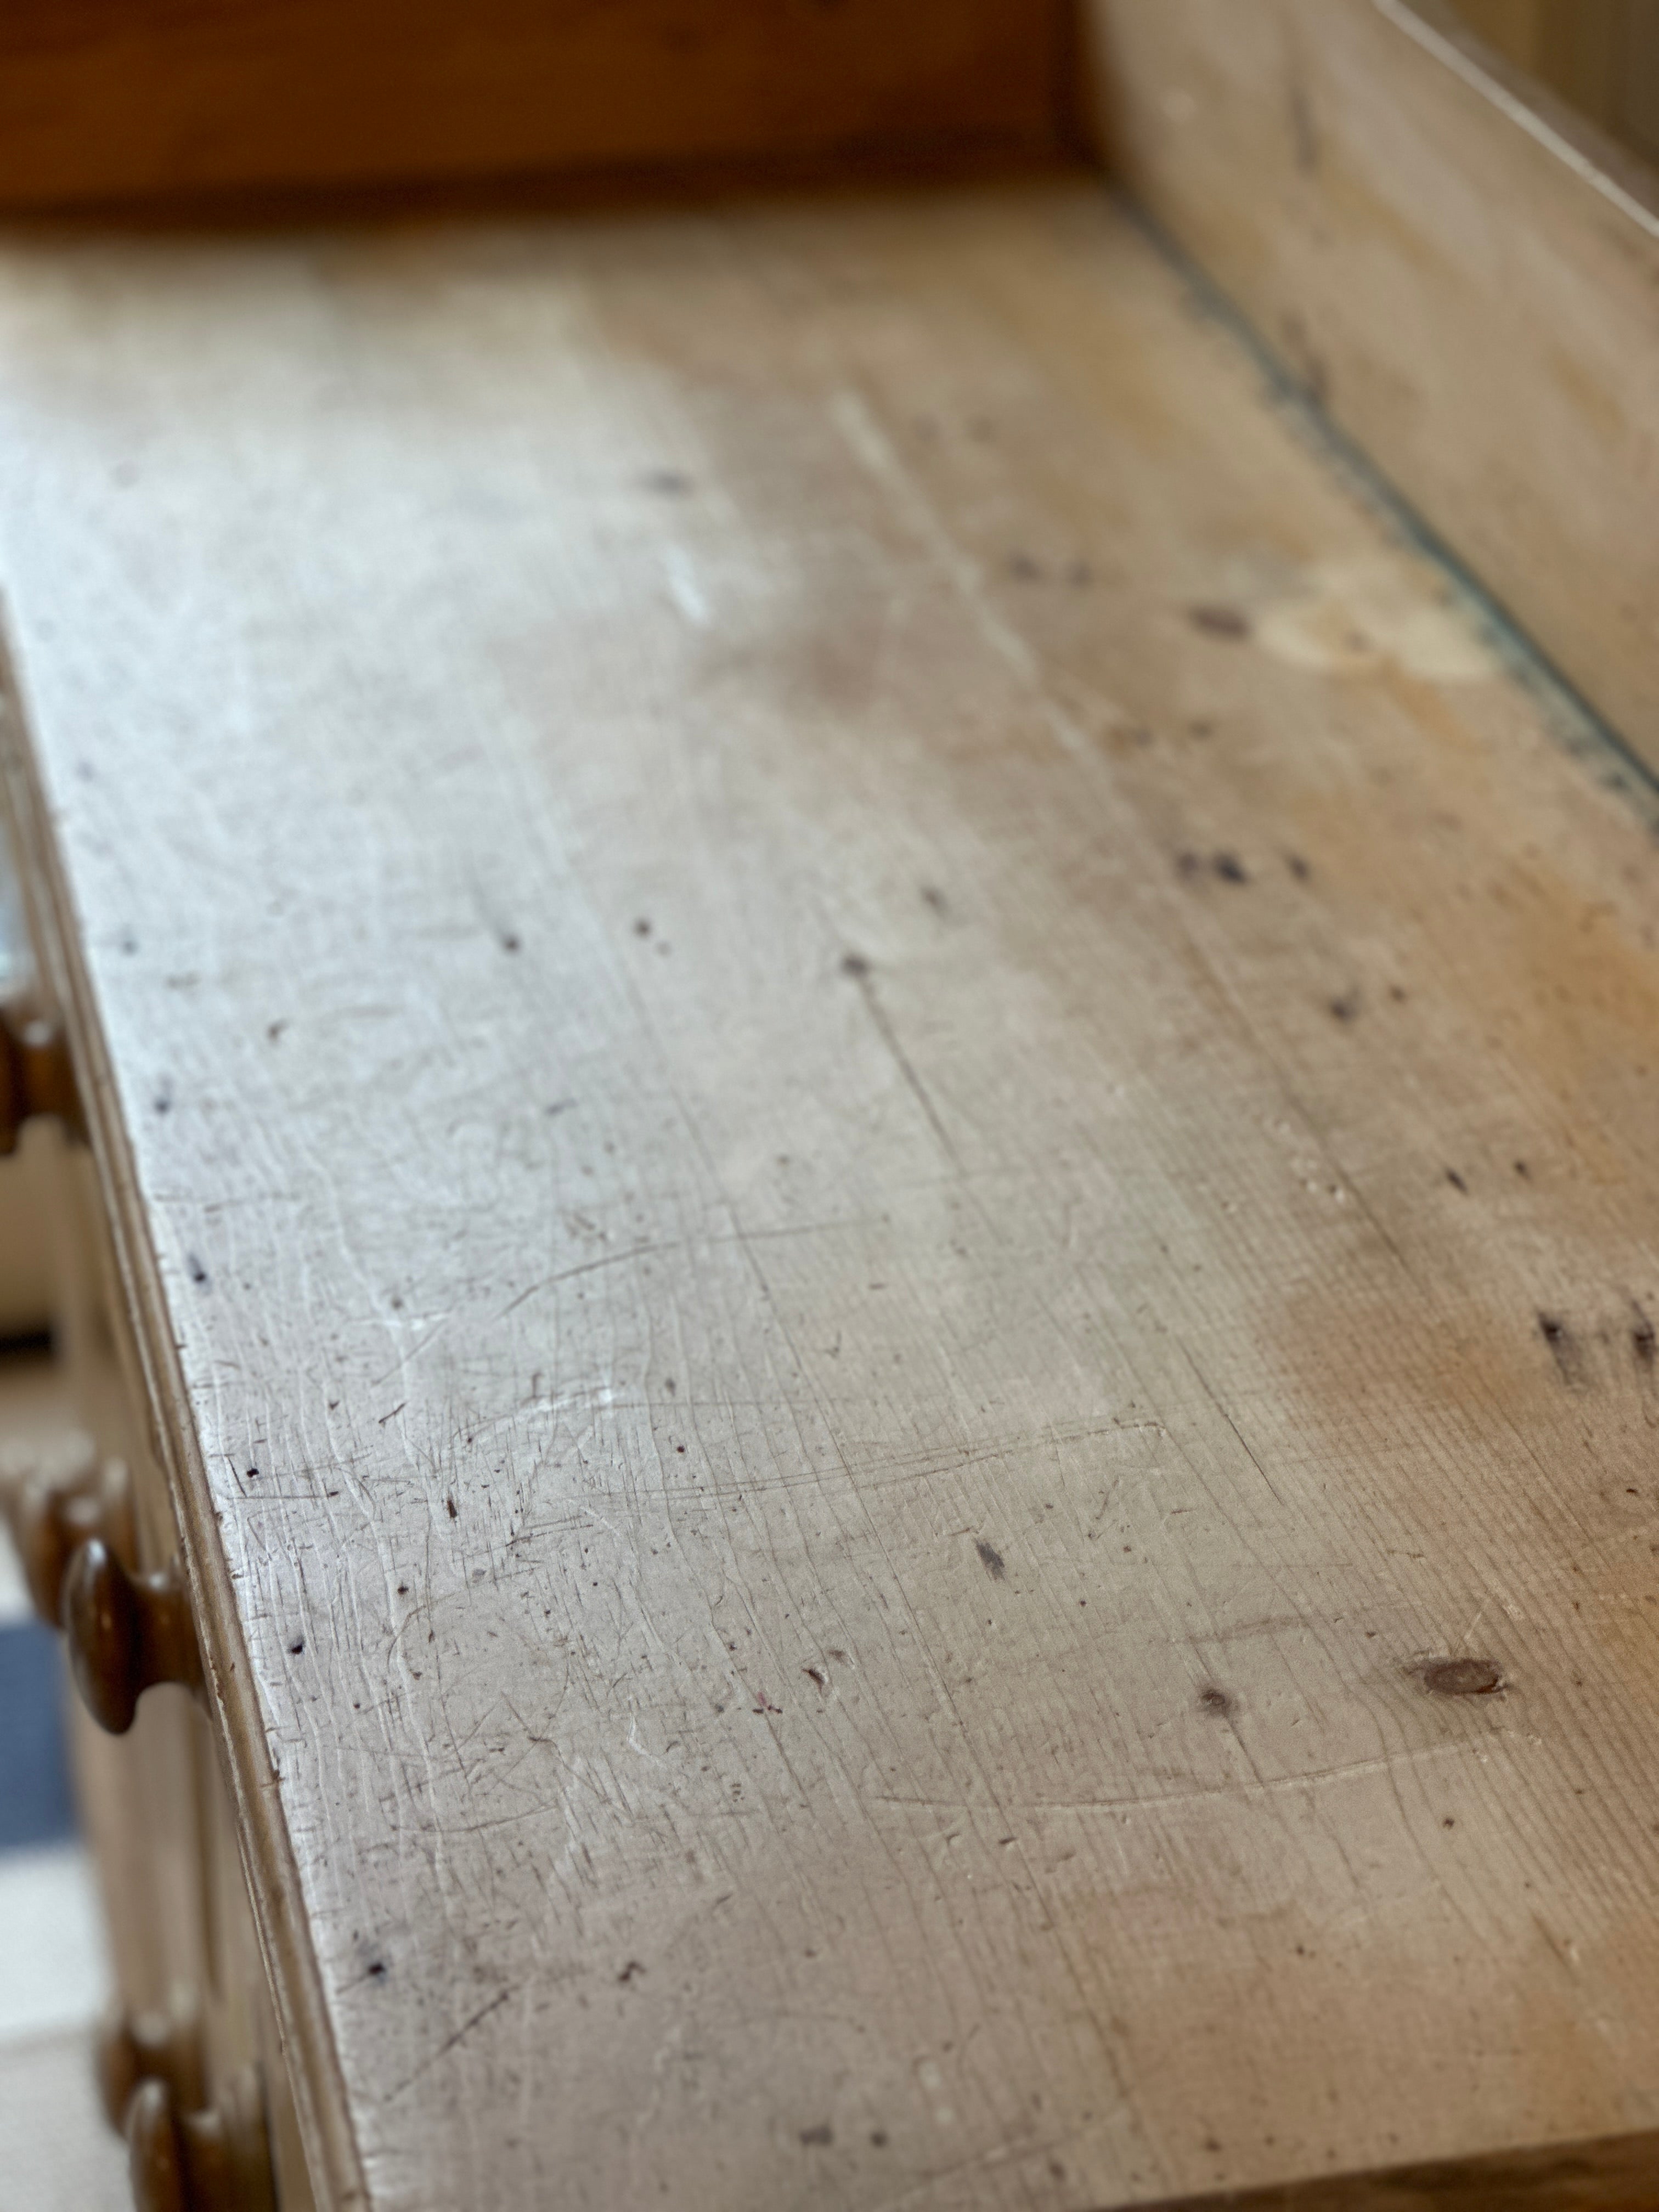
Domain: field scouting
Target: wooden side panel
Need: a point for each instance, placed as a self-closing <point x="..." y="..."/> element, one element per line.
<point x="1462" y="289"/>
<point x="1601" y="55"/>
<point x="106" y="100"/>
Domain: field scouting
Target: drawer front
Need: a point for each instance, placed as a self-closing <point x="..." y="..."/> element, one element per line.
<point x="189" y="2061"/>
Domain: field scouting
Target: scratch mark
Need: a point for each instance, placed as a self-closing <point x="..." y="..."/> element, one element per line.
<point x="448" y="2045"/>
<point x="858" y="967"/>
<point x="1276" y="1785"/>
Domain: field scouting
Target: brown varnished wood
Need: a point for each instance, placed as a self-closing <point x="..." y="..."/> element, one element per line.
<point x="161" y="101"/>
<point x="134" y="2048"/>
<point x="57" y="1501"/>
<point x="35" y="1075"/>
<point x="126" y="1633"/>
<point x="213" y="2160"/>
<point x="878" y="1117"/>
<point x="156" y="2146"/>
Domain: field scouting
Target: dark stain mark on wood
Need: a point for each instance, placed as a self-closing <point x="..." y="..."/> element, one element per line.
<point x="1219" y="622"/>
<point x="629" y="1973"/>
<point x="297" y="1646"/>
<point x="992" y="1561"/>
<point x="670" y="484"/>
<point x="1461" y="1678"/>
<point x="454" y="1510"/>
<point x="1345" y="1008"/>
<point x="1456" y="1181"/>
<point x="936" y="899"/>
<point x="819" y="2137"/>
<point x="1297" y="867"/>
<point x="1024" y="569"/>
<point x="510" y="943"/>
<point x="1642" y="1339"/>
<point x="1214" y="1700"/>
<point x="1229" y="868"/>
<point x="1563" y="1348"/>
<point x="1311" y="366"/>
<point x="817" y="1675"/>
<point x="855" y="965"/>
<point x="199" y="1273"/>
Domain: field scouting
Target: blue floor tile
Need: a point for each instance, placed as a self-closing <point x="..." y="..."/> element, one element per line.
<point x="36" y="1806"/>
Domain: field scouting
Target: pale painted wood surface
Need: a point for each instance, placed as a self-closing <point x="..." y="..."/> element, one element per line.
<point x="1469" y="288"/>
<point x="884" y="1127"/>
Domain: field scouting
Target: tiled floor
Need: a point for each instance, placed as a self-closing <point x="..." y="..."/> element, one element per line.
<point x="56" y="2154"/>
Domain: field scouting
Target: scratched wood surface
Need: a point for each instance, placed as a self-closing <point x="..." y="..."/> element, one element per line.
<point x="882" y="1125"/>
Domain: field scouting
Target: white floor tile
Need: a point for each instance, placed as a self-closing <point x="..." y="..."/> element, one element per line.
<point x="14" y="1599"/>
<point x="56" y="2153"/>
<point x="54" y="1970"/>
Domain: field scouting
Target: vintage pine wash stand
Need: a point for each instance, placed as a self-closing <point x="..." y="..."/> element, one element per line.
<point x="856" y="1106"/>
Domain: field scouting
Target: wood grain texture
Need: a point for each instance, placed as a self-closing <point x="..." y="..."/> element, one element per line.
<point x="1460" y="281"/>
<point x="1601" y="55"/>
<point x="883" y="1127"/>
<point x="107" y="101"/>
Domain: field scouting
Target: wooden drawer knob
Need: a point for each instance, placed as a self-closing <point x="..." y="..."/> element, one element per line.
<point x="35" y="1074"/>
<point x="50" y="1524"/>
<point x="126" y="1633"/>
<point x="155" y="2149"/>
<point x="54" y="1501"/>
<point x="209" y="2161"/>
<point x="149" y="2047"/>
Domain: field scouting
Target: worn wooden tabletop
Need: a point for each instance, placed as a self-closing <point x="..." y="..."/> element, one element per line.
<point x="884" y="1124"/>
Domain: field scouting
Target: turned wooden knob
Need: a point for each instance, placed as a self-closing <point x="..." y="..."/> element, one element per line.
<point x="217" y="2160"/>
<point x="156" y="2150"/>
<point x="50" y="1524"/>
<point x="35" y="1074"/>
<point x="55" y="1499"/>
<point x="126" y="1633"/>
<point x="149" y="2047"/>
